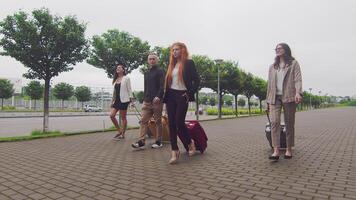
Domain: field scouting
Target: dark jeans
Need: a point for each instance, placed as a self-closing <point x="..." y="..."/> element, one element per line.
<point x="177" y="107"/>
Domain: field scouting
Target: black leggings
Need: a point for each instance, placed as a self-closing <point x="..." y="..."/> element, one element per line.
<point x="177" y="107"/>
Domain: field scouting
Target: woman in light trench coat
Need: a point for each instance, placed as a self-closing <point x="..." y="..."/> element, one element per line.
<point x="284" y="90"/>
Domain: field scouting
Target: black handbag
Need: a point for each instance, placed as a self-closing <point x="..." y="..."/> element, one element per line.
<point x="283" y="141"/>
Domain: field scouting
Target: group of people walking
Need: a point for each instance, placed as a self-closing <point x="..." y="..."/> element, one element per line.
<point x="177" y="87"/>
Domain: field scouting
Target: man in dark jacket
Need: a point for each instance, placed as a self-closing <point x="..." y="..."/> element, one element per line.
<point x="152" y="102"/>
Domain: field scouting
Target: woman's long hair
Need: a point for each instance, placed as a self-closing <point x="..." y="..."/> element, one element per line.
<point x="287" y="56"/>
<point x="173" y="61"/>
<point x="116" y="75"/>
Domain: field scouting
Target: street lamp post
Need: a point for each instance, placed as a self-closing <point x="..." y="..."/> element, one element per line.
<point x="218" y="62"/>
<point x="310" y="104"/>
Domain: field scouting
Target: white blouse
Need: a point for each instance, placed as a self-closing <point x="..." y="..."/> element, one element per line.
<point x="279" y="81"/>
<point x="176" y="84"/>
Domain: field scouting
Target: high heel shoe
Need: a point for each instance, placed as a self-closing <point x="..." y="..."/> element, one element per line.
<point x="274" y="158"/>
<point x="192" y="148"/>
<point x="175" y="157"/>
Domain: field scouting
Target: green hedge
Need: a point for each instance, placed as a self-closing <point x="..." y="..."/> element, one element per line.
<point x="229" y="111"/>
<point x="9" y="108"/>
<point x="39" y="132"/>
<point x="351" y="103"/>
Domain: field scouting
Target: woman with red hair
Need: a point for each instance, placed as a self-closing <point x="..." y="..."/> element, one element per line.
<point x="182" y="82"/>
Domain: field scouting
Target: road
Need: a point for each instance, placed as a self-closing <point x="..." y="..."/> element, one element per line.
<point x="24" y="125"/>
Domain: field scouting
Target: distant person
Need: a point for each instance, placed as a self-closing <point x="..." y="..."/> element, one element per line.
<point x="284" y="90"/>
<point x="122" y="97"/>
<point x="152" y="102"/>
<point x="182" y="82"/>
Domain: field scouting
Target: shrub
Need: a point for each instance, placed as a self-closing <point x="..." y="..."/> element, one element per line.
<point x="9" y="108"/>
<point x="38" y="132"/>
<point x="351" y="103"/>
<point x="229" y="111"/>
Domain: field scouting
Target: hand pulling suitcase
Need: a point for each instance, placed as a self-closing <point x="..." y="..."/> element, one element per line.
<point x="198" y="135"/>
<point x="269" y="137"/>
<point x="165" y="128"/>
<point x="151" y="131"/>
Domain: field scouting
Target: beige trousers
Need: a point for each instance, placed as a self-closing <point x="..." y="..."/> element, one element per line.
<point x="150" y="110"/>
<point x="289" y="120"/>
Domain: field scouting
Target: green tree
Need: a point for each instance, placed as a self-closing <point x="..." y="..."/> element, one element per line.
<point x="63" y="91"/>
<point x="305" y="102"/>
<point x="204" y="100"/>
<point x="260" y="90"/>
<point x="115" y="47"/>
<point x="316" y="101"/>
<point x="6" y="91"/>
<point x="212" y="101"/>
<point x="82" y="93"/>
<point x="241" y="102"/>
<point x="203" y="65"/>
<point x="225" y="68"/>
<point x="249" y="89"/>
<point x="229" y="102"/>
<point x="48" y="45"/>
<point x="34" y="90"/>
<point x="139" y="96"/>
<point x="236" y="83"/>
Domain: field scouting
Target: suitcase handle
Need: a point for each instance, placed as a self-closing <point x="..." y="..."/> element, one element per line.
<point x="269" y="120"/>
<point x="137" y="114"/>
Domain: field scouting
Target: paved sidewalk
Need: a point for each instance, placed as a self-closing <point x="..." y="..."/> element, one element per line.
<point x="235" y="165"/>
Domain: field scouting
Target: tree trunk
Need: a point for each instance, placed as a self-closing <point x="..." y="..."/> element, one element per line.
<point x="249" y="106"/>
<point x="45" y="106"/>
<point x="236" y="111"/>
<point x="2" y="103"/>
<point x="219" y="105"/>
<point x="260" y="106"/>
<point x="82" y="105"/>
<point x="34" y="105"/>
<point x="62" y="104"/>
<point x="197" y="106"/>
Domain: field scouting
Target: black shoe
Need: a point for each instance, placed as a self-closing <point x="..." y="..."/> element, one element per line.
<point x="138" y="145"/>
<point x="287" y="157"/>
<point x="157" y="145"/>
<point x="274" y="158"/>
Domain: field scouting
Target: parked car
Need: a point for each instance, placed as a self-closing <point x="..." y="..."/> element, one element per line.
<point x="92" y="108"/>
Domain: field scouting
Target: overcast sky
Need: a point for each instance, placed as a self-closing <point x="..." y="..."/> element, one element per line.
<point x="321" y="34"/>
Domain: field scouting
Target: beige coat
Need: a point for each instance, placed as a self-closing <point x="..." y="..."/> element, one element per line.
<point x="292" y="83"/>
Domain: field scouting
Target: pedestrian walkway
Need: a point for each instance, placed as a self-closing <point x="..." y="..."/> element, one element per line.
<point x="235" y="165"/>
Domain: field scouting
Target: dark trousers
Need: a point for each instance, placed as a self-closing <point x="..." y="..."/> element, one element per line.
<point x="177" y="107"/>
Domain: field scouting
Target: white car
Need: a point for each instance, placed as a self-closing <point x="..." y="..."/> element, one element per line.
<point x="92" y="108"/>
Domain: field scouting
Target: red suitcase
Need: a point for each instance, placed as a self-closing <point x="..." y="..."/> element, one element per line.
<point x="197" y="133"/>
